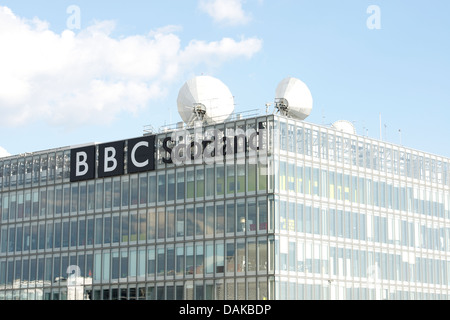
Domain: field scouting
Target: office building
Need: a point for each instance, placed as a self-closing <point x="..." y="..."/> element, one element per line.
<point x="259" y="207"/>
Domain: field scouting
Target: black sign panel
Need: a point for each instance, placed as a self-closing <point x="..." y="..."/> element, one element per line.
<point x="82" y="163"/>
<point x="111" y="159"/>
<point x="141" y="154"/>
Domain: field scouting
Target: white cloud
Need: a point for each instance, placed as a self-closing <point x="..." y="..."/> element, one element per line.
<point x="228" y="12"/>
<point x="72" y="79"/>
<point x="4" y="153"/>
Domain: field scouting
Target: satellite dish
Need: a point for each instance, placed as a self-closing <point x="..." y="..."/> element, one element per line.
<point x="344" y="126"/>
<point x="293" y="98"/>
<point x="205" y="99"/>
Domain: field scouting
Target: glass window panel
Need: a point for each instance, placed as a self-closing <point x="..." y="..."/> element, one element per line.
<point x="209" y="259"/>
<point x="73" y="233"/>
<point x="133" y="226"/>
<point x="251" y="177"/>
<point x="307" y="185"/>
<point x="340" y="223"/>
<point x="209" y="181"/>
<point x="262" y="255"/>
<point x="115" y="229"/>
<point x="12" y="239"/>
<point x="27" y="204"/>
<point x="262" y="176"/>
<point x="98" y="230"/>
<point x="315" y="182"/>
<point x="190" y="184"/>
<point x="308" y="219"/>
<point x="240" y="178"/>
<point x="170" y="256"/>
<point x="65" y="234"/>
<point x="300" y="218"/>
<point x="282" y="215"/>
<point x="151" y="263"/>
<point x="251" y="263"/>
<point x="332" y="222"/>
<point x="13" y="205"/>
<point x="180" y="185"/>
<point x="189" y="259"/>
<point x="230" y="179"/>
<point x="142" y="226"/>
<point x="124" y="237"/>
<point x="190" y="220"/>
<point x="324" y="184"/>
<point x="152" y="189"/>
<point x="292" y="256"/>
<point x="107" y="230"/>
<point x="346" y="188"/>
<point x="316" y="223"/>
<point x="170" y="222"/>
<point x="3" y="239"/>
<point x="220" y="259"/>
<point x="50" y="235"/>
<point x="161" y="223"/>
<point x="251" y="215"/>
<point x="160" y="261"/>
<point x="151" y="224"/>
<point x="262" y="214"/>
<point x="282" y="176"/>
<point x="355" y="225"/>
<point x="179" y="260"/>
<point x="134" y="190"/>
<point x="180" y="222"/>
<point x="300" y="149"/>
<point x="132" y="267"/>
<point x="91" y="195"/>
<point x="347" y="226"/>
<point x="82" y="232"/>
<point x="99" y="195"/>
<point x="220" y="180"/>
<point x="20" y="205"/>
<point x="143" y="189"/>
<point x="83" y="197"/>
<point x="108" y="194"/>
<point x="324" y="222"/>
<point x="300" y="180"/>
<point x="200" y="182"/>
<point x="209" y="220"/>
<point x="116" y="192"/>
<point x="199" y="220"/>
<point x="106" y="266"/>
<point x="57" y="235"/>
<point x="230" y="217"/>
<point x="220" y="219"/>
<point x="171" y="186"/>
<point x="240" y="255"/>
<point x="161" y="187"/>
<point x="240" y="217"/>
<point x="230" y="256"/>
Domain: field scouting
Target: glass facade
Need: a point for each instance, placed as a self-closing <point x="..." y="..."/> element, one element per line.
<point x="357" y="218"/>
<point x="197" y="231"/>
<point x="320" y="214"/>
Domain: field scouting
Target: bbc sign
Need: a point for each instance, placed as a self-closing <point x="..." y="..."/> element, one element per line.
<point x="111" y="159"/>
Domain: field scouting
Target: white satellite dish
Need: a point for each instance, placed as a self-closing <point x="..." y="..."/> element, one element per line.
<point x="293" y="98"/>
<point x="205" y="99"/>
<point x="344" y="126"/>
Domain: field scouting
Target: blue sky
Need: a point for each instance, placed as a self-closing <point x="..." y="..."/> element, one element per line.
<point x="121" y="70"/>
